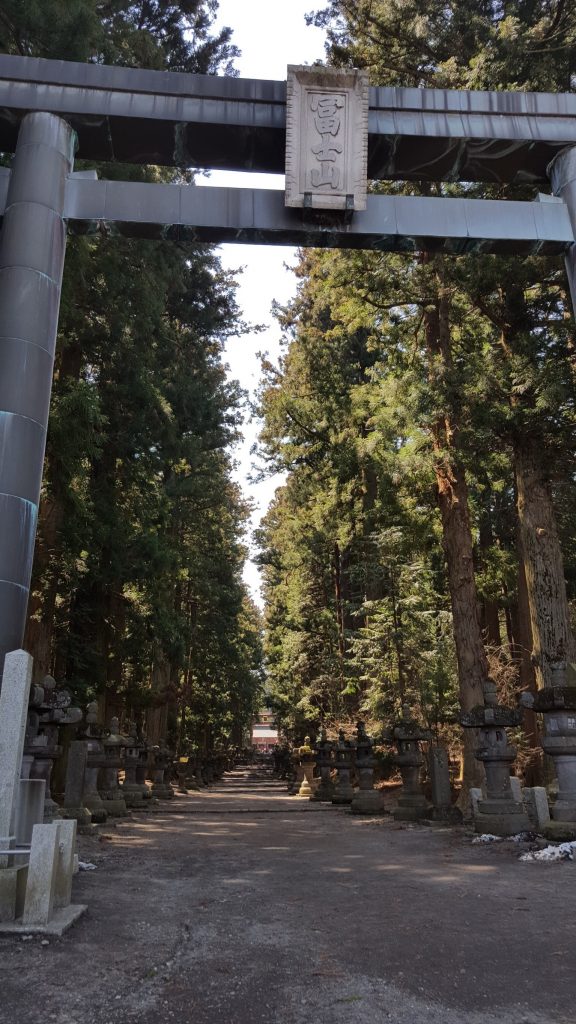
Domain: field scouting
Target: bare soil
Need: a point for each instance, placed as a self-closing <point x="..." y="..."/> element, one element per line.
<point x="240" y="905"/>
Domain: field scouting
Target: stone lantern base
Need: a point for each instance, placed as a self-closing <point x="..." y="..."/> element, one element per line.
<point x="411" y="807"/>
<point x="501" y="818"/>
<point x="367" y="801"/>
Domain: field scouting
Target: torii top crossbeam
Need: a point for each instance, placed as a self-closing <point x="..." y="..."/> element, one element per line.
<point x="170" y="118"/>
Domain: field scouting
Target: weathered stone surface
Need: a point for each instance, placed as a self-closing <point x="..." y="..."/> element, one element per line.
<point x="12" y="887"/>
<point x="75" y="781"/>
<point x="343" y="752"/>
<point x="326" y="138"/>
<point x="14" y="697"/>
<point x="366" y="799"/>
<point x="516" y="787"/>
<point x="29" y="809"/>
<point x="439" y="769"/>
<point x="65" y="863"/>
<point x="407" y="735"/>
<point x="475" y="797"/>
<point x="498" y="812"/>
<point x="536" y="806"/>
<point x="42" y="871"/>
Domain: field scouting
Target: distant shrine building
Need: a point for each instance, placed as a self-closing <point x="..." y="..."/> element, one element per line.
<point x="264" y="732"/>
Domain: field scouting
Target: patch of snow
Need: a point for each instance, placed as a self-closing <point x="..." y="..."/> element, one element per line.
<point x="86" y="865"/>
<point x="487" y="837"/>
<point x="551" y="854"/>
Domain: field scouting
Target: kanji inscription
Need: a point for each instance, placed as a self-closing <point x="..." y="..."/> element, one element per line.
<point x="326" y="138"/>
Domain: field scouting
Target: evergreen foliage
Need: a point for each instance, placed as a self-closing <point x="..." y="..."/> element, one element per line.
<point x="424" y="412"/>
<point x="137" y="591"/>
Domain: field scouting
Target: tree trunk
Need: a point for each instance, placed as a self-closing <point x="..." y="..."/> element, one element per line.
<point x="452" y="494"/>
<point x="489" y="613"/>
<point x="552" y="637"/>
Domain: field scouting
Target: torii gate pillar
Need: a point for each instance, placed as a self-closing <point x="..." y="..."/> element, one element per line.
<point x="562" y="174"/>
<point x="32" y="250"/>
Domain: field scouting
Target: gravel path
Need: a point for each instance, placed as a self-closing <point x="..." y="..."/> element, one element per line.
<point x="241" y="905"/>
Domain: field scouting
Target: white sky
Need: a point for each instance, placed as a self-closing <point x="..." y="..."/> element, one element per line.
<point x="270" y="35"/>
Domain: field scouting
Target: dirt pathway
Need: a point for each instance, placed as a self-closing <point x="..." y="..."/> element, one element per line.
<point x="241" y="905"/>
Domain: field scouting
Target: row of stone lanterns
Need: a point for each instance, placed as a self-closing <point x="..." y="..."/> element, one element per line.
<point x="499" y="810"/>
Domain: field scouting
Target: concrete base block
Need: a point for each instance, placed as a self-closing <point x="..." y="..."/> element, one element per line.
<point x="59" y="923"/>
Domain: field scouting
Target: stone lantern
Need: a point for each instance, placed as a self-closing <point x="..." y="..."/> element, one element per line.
<point x="95" y="760"/>
<point x="557" y="704"/>
<point x="407" y="734"/>
<point x="499" y="813"/>
<point x="162" y="761"/>
<point x="307" y="764"/>
<point x="132" y="787"/>
<point x="50" y="707"/>
<point x="343" y="762"/>
<point x="142" y="769"/>
<point x="112" y="797"/>
<point x="367" y="800"/>
<point x="297" y="773"/>
<point x="323" y="752"/>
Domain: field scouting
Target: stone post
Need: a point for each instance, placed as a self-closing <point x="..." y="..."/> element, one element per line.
<point x="439" y="769"/>
<point x="32" y="248"/>
<point x="74" y="791"/>
<point x="14" y="698"/>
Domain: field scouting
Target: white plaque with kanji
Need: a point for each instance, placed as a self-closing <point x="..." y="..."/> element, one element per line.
<point x="326" y="138"/>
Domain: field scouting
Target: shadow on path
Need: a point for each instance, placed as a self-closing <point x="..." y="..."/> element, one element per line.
<point x="239" y="904"/>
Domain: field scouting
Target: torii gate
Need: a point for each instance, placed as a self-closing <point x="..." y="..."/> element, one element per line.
<point x="51" y="109"/>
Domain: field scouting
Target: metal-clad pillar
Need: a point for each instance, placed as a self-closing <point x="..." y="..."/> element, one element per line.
<point x="32" y="249"/>
<point x="562" y="174"/>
